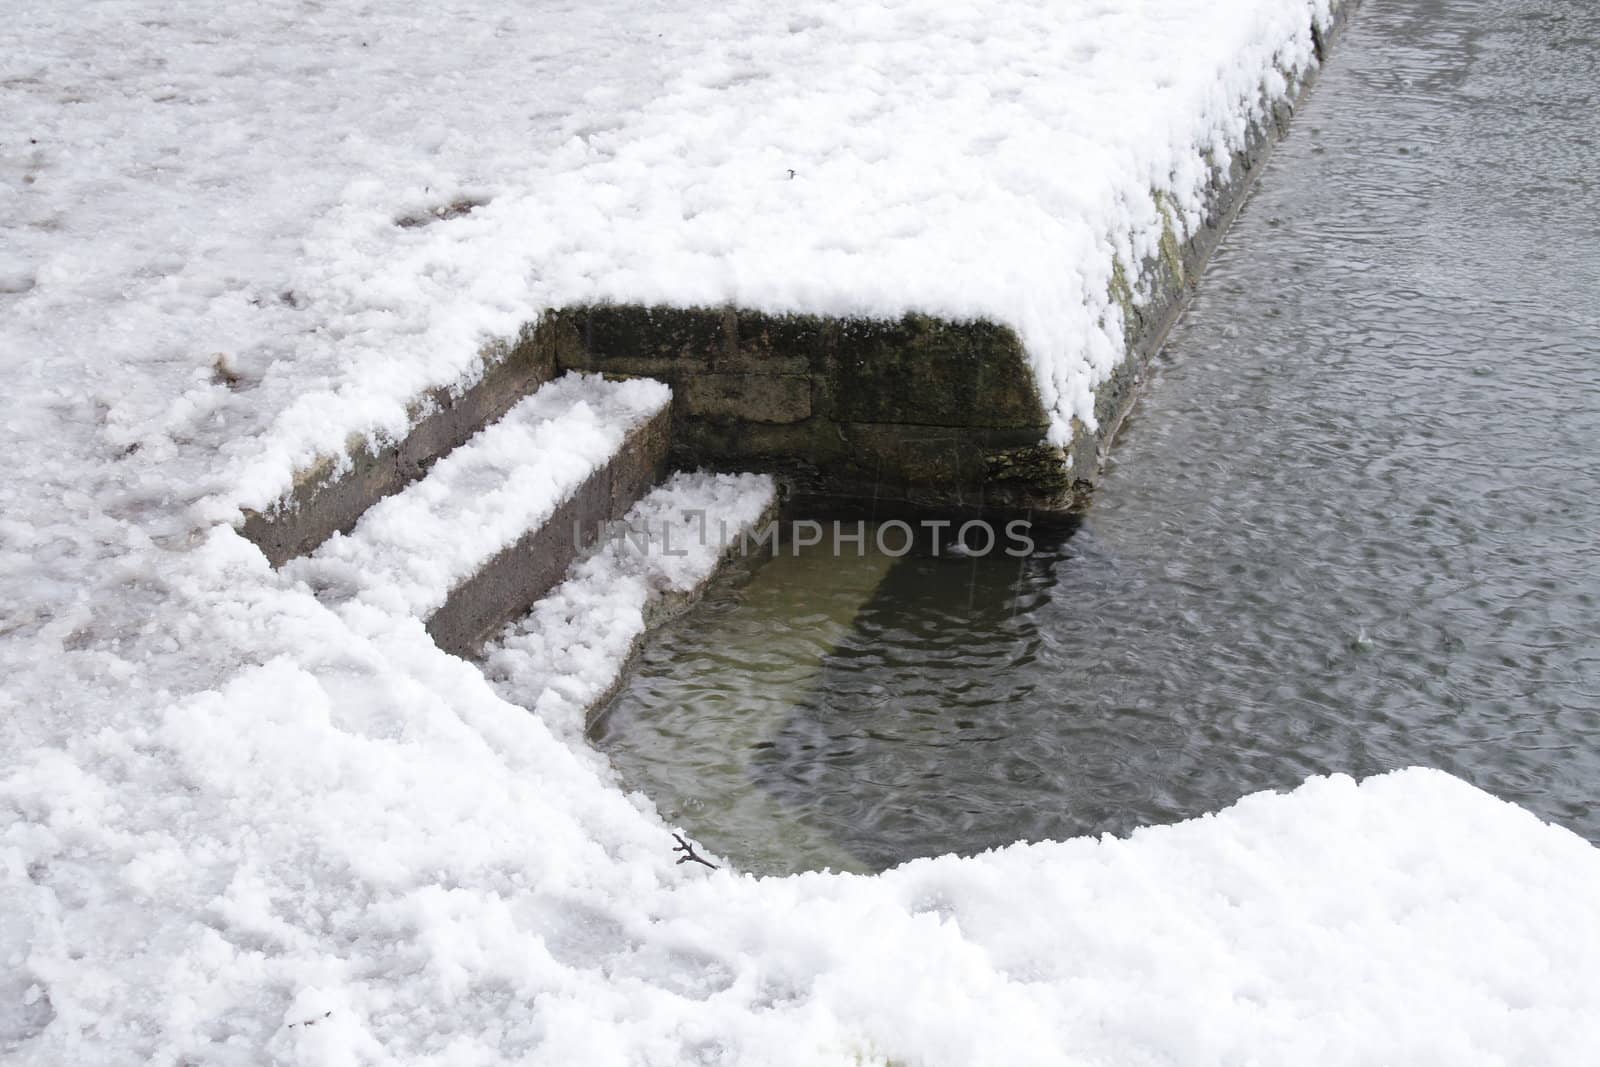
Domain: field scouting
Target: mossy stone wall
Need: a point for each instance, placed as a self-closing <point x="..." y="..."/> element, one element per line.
<point x="913" y="412"/>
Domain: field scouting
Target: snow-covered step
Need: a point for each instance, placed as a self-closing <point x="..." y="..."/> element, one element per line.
<point x="331" y="495"/>
<point x="566" y="655"/>
<point x="496" y="522"/>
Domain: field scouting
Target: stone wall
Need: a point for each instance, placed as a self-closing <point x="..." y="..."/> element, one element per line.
<point x="916" y="411"/>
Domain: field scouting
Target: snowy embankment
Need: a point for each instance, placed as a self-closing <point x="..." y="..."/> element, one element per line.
<point x="242" y="825"/>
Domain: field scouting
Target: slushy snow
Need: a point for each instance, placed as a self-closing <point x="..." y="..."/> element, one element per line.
<point x="242" y="825"/>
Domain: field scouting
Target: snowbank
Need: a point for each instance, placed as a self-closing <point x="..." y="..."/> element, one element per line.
<point x="240" y="825"/>
<point x="464" y="890"/>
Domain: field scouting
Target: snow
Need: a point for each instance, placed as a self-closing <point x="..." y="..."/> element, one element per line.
<point x="1410" y="919"/>
<point x="565" y="655"/>
<point x="409" y="550"/>
<point x="240" y="825"/>
<point x="194" y="182"/>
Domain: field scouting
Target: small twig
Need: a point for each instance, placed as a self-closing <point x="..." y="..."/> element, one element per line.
<point x="690" y="854"/>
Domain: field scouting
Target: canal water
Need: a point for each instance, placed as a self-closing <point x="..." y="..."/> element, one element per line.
<point x="1353" y="524"/>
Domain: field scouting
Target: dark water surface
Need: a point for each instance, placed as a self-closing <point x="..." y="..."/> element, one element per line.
<point x="1352" y="525"/>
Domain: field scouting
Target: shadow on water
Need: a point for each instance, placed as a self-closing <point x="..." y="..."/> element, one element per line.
<point x="1351" y="526"/>
<point x="898" y="746"/>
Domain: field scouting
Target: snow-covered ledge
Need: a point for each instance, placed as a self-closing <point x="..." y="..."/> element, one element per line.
<point x="943" y="411"/>
<point x="953" y="248"/>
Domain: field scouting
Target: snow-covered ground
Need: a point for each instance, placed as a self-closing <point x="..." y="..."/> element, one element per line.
<point x="242" y="825"/>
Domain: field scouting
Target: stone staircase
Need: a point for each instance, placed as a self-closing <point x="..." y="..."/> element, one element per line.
<point x="490" y="525"/>
<point x="331" y="494"/>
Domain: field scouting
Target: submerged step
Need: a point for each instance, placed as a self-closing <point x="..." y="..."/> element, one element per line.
<point x="567" y="654"/>
<point x="495" y="523"/>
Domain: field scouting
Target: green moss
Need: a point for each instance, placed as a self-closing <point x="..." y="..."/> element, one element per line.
<point x="1121" y="290"/>
<point x="1171" y="247"/>
<point x="922" y="370"/>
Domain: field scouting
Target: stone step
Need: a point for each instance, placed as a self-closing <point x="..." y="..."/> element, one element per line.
<point x="330" y="495"/>
<point x="563" y="659"/>
<point x="495" y="523"/>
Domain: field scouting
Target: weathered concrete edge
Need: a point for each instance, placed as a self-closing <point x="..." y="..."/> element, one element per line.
<point x="510" y="583"/>
<point x="332" y="494"/>
<point x="1173" y="278"/>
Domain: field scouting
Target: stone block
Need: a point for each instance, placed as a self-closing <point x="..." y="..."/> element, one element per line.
<point x="751" y="397"/>
<point x="920" y="370"/>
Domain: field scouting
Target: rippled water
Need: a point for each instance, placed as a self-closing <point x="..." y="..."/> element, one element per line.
<point x="1350" y="527"/>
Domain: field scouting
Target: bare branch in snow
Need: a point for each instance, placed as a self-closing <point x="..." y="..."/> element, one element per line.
<point x="689" y="853"/>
